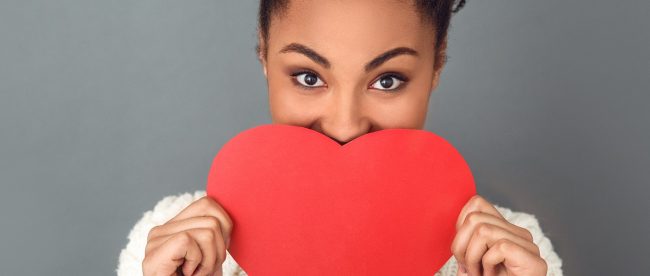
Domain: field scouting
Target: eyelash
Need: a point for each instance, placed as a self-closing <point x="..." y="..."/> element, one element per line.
<point x="397" y="76"/>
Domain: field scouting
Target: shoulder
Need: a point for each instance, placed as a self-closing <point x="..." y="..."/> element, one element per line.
<point x="130" y="259"/>
<point x="528" y="221"/>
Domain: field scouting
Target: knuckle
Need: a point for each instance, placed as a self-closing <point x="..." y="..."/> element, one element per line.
<point x="473" y="217"/>
<point x="477" y="200"/>
<point x="483" y="230"/>
<point x="480" y="201"/>
<point x="537" y="251"/>
<point x="543" y="265"/>
<point x="204" y="203"/>
<point x="527" y="234"/>
<point x="213" y="223"/>
<point x="185" y="238"/>
<point x="153" y="232"/>
<point x="503" y="245"/>
<point x="206" y="235"/>
<point x="148" y="247"/>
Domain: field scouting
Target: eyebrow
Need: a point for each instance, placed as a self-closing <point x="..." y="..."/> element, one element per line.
<point x="376" y="62"/>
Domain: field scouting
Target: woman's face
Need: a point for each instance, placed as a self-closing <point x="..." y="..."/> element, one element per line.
<point x="346" y="68"/>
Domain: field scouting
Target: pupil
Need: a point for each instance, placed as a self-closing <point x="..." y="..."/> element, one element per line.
<point x="310" y="79"/>
<point x="386" y="82"/>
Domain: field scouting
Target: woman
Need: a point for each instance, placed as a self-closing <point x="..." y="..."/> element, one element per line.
<point x="343" y="68"/>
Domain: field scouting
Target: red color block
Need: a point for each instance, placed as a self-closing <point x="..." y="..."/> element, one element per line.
<point x="385" y="203"/>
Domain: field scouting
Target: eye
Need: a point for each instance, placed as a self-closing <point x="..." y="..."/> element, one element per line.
<point x="389" y="82"/>
<point x="308" y="79"/>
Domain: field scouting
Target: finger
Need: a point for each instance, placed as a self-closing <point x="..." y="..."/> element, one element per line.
<point x="219" y="272"/>
<point x="474" y="219"/>
<point x="476" y="204"/>
<point x="460" y="271"/>
<point x="218" y="240"/>
<point x="208" y="243"/>
<point x="202" y="207"/>
<point x="170" y="228"/>
<point x="515" y="259"/>
<point x="181" y="249"/>
<point x="207" y="206"/>
<point x="211" y="246"/>
<point x="483" y="238"/>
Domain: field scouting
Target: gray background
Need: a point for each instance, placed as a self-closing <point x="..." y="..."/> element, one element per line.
<point x="108" y="106"/>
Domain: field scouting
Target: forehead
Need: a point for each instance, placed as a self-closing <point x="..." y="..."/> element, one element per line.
<point x="351" y="28"/>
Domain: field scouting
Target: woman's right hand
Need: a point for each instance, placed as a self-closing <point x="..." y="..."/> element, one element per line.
<point x="194" y="242"/>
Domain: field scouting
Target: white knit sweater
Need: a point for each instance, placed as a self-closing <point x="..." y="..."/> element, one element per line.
<point x="130" y="262"/>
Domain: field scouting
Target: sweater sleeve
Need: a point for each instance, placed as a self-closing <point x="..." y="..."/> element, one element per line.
<point x="531" y="224"/>
<point x="130" y="260"/>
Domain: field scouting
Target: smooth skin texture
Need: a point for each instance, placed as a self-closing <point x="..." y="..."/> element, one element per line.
<point x="194" y="242"/>
<point x="347" y="68"/>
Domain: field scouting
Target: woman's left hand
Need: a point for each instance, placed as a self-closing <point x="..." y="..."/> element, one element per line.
<point x="487" y="244"/>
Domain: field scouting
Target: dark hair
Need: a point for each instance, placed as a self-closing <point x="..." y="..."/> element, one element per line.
<point x="436" y="12"/>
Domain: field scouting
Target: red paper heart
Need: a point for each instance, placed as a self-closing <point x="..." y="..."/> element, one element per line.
<point x="385" y="203"/>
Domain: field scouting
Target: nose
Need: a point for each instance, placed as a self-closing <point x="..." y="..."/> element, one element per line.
<point x="343" y="120"/>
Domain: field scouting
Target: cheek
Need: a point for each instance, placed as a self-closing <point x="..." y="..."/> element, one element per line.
<point x="280" y="104"/>
<point x="406" y="112"/>
<point x="286" y="107"/>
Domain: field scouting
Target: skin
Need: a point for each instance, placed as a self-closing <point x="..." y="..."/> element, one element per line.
<point x="342" y="99"/>
<point x="347" y="101"/>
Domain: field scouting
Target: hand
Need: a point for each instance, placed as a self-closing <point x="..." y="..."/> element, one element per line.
<point x="194" y="242"/>
<point x="487" y="244"/>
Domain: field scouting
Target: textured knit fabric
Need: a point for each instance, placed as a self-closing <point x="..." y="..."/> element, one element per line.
<point x="130" y="260"/>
